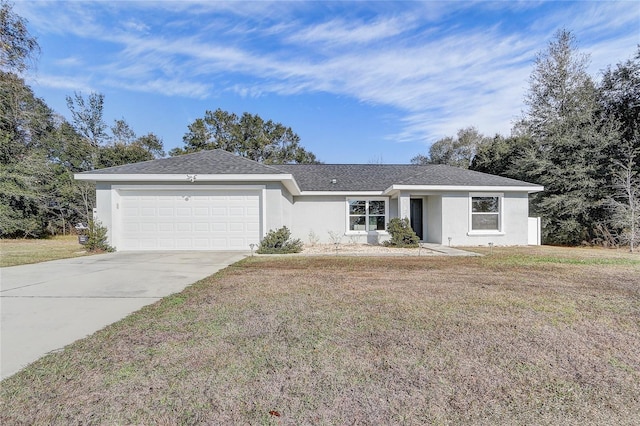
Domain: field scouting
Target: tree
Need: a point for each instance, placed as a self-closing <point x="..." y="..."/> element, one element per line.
<point x="151" y="144"/>
<point x="500" y="155"/>
<point x="619" y="99"/>
<point x="17" y="46"/>
<point x="87" y="117"/>
<point x="122" y="133"/>
<point x="568" y="153"/>
<point x="248" y="136"/>
<point x="456" y="151"/>
<point x="624" y="205"/>
<point x="127" y="148"/>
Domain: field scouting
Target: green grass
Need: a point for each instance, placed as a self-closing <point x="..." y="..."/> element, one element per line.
<point x="25" y="251"/>
<point x="352" y="340"/>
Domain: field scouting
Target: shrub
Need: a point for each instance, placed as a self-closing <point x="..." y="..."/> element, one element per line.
<point x="97" y="237"/>
<point x="279" y="241"/>
<point x="401" y="233"/>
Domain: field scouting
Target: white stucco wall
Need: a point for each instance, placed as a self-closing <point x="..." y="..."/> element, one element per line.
<point x="320" y="215"/>
<point x="103" y="207"/>
<point x="278" y="207"/>
<point x="456" y="222"/>
<point x="433" y="209"/>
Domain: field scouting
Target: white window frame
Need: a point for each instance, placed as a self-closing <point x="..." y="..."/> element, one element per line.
<point x="367" y="199"/>
<point x="500" y="230"/>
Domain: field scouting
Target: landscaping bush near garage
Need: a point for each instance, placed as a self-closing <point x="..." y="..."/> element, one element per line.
<point x="524" y="336"/>
<point x="279" y="242"/>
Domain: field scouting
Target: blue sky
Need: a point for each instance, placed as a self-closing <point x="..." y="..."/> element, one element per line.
<point x="359" y="82"/>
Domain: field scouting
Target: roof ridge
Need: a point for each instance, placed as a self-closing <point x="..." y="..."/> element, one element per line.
<point x="245" y="159"/>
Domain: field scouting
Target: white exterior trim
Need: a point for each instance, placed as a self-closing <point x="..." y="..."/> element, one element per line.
<point x="347" y="193"/>
<point x="393" y="189"/>
<point x="356" y="198"/>
<point x="487" y="232"/>
<point x="287" y="179"/>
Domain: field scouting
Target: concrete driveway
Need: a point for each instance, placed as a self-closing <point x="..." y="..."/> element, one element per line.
<point x="49" y="305"/>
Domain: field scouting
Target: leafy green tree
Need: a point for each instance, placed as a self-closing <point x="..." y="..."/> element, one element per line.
<point x="249" y="136"/>
<point x="500" y="155"/>
<point x="570" y="142"/>
<point x="122" y="133"/>
<point x="17" y="46"/>
<point x="87" y="117"/>
<point x="127" y="148"/>
<point x="456" y="151"/>
<point x="152" y="144"/>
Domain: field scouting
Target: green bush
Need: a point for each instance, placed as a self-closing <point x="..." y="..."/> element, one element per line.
<point x="279" y="241"/>
<point x="97" y="238"/>
<point x="401" y="233"/>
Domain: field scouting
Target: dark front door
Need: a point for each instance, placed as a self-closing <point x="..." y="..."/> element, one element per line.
<point x="416" y="216"/>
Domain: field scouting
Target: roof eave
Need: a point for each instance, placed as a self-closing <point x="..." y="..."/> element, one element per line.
<point x="354" y="193"/>
<point x="394" y="189"/>
<point x="285" y="178"/>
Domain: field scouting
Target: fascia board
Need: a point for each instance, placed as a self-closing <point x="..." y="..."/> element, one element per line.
<point x="354" y="193"/>
<point x="287" y="179"/>
<point x="397" y="188"/>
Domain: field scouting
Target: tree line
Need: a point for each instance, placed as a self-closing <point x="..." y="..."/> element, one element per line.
<point x="577" y="137"/>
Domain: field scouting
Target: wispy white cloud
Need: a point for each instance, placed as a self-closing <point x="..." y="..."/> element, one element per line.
<point x="438" y="71"/>
<point x="343" y="32"/>
<point x="64" y="82"/>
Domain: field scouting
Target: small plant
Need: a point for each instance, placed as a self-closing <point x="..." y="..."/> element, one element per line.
<point x="313" y="238"/>
<point x="401" y="233"/>
<point x="279" y="241"/>
<point x="335" y="237"/>
<point x="97" y="238"/>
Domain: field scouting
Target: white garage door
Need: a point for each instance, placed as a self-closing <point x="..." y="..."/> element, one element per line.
<point x="188" y="219"/>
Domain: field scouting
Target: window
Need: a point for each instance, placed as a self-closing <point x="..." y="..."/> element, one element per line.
<point x="367" y="215"/>
<point x="485" y="213"/>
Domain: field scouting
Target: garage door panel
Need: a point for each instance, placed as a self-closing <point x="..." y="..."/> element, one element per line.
<point x="189" y="219"/>
<point x="149" y="227"/>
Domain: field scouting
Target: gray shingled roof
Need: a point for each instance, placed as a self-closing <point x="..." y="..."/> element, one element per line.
<point x="378" y="177"/>
<point x="317" y="177"/>
<point x="216" y="161"/>
<point x="349" y="177"/>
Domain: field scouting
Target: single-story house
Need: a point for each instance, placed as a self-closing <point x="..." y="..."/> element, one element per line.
<point x="215" y="200"/>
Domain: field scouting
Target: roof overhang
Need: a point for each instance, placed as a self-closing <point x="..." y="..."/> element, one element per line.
<point x="395" y="189"/>
<point x="286" y="179"/>
<point x="354" y="193"/>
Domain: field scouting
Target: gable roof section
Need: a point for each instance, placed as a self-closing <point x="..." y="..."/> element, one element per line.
<point x="389" y="177"/>
<point x="212" y="162"/>
<point x="383" y="179"/>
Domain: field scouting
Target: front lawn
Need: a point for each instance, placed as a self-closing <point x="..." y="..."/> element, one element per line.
<point x="15" y="252"/>
<point x="539" y="336"/>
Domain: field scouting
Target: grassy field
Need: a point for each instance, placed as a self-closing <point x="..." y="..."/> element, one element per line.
<point x="522" y="336"/>
<point x="23" y="251"/>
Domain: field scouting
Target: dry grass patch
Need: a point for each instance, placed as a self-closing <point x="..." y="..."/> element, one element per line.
<point x="24" y="251"/>
<point x="489" y="340"/>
